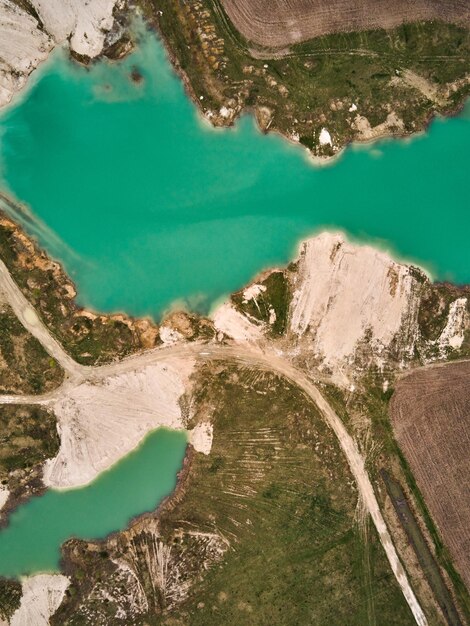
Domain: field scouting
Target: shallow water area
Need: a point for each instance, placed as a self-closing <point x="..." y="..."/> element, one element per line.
<point x="146" y="205"/>
<point x="137" y="484"/>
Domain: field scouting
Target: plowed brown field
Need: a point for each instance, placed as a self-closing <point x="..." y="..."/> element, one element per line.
<point x="430" y="412"/>
<point x="278" y="23"/>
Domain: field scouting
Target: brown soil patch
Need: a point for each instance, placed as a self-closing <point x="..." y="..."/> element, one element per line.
<point x="277" y="23"/>
<point x="430" y="413"/>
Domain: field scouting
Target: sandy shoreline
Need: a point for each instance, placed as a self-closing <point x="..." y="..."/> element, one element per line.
<point x="42" y="596"/>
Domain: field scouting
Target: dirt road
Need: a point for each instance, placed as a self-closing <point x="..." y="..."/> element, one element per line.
<point x="250" y="356"/>
<point x="31" y="321"/>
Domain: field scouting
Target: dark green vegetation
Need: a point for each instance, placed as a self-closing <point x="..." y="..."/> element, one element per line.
<point x="261" y="531"/>
<point x="313" y="84"/>
<point x="28" y="436"/>
<point x="274" y="299"/>
<point x="366" y="414"/>
<point x="90" y="339"/>
<point x="434" y="311"/>
<point x="10" y="597"/>
<point x="25" y="367"/>
<point x="422" y="550"/>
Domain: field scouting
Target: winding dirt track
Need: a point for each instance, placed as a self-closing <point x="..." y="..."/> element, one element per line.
<point x="253" y="357"/>
<point x="25" y="312"/>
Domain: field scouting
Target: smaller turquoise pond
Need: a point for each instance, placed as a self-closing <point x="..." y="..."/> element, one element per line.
<point x="31" y="543"/>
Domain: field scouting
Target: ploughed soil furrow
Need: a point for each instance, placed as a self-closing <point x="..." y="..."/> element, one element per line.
<point x="430" y="413"/>
<point x="277" y="23"/>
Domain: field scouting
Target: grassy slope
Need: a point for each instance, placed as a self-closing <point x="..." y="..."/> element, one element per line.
<point x="277" y="485"/>
<point x="315" y="84"/>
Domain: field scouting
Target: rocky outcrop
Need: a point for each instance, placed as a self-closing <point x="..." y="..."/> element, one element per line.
<point x="4" y="494"/>
<point x="201" y="437"/>
<point x="347" y="294"/>
<point x="348" y="307"/>
<point x="458" y="321"/>
<point x="344" y="300"/>
<point x="30" y="30"/>
<point x="236" y="325"/>
<point x="23" y="45"/>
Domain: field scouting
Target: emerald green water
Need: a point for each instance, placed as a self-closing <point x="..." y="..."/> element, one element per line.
<point x="146" y="205"/>
<point x="31" y="542"/>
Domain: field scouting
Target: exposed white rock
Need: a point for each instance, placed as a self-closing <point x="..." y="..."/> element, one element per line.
<point x="201" y="436"/>
<point x="24" y="42"/>
<point x="325" y="138"/>
<point x="99" y="423"/>
<point x="4" y="493"/>
<point x="392" y="123"/>
<point x="346" y="293"/>
<point x="232" y="323"/>
<point x="253" y="291"/>
<point x="42" y="596"/>
<point x="84" y="21"/>
<point x="457" y="323"/>
<point x="169" y="335"/>
<point x="22" y="47"/>
<point x="135" y="593"/>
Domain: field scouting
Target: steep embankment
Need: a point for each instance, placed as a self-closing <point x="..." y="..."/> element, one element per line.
<point x="343" y="308"/>
<point x="30" y="30"/>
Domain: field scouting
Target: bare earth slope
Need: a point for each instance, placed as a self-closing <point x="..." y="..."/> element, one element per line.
<point x="431" y="420"/>
<point x="277" y="23"/>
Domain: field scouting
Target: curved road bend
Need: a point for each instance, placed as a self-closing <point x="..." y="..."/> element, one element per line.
<point x="249" y="356"/>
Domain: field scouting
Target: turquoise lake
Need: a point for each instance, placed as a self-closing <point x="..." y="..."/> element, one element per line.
<point x="147" y="206"/>
<point x="138" y="483"/>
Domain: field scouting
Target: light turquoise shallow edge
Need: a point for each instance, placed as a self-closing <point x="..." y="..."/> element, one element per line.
<point x="136" y="484"/>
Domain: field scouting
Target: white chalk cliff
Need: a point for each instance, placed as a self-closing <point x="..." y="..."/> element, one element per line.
<point x="26" y="38"/>
<point x="346" y="294"/>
